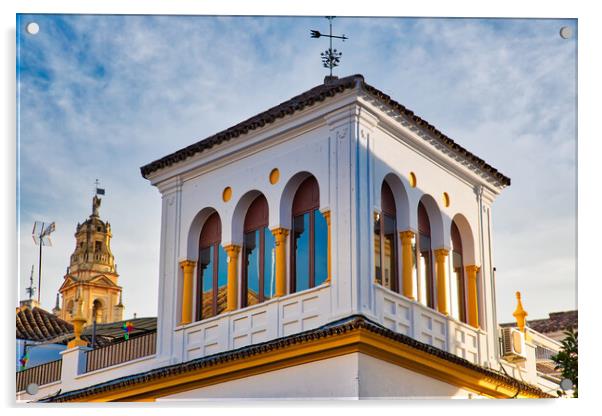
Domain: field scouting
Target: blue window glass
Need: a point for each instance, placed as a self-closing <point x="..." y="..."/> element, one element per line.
<point x="426" y="270"/>
<point x="377" y="251"/>
<point x="222" y="279"/>
<point x="252" y="247"/>
<point x="301" y="230"/>
<point x="389" y="252"/>
<point x="321" y="248"/>
<point x="206" y="278"/>
<point x="269" y="263"/>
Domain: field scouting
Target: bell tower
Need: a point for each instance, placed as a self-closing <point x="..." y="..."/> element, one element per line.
<point x="93" y="272"/>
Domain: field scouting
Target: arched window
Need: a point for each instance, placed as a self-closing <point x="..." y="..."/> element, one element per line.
<point x="457" y="282"/>
<point x="212" y="270"/>
<point x="427" y="284"/>
<point x="258" y="255"/>
<point x="385" y="241"/>
<point x="309" y="238"/>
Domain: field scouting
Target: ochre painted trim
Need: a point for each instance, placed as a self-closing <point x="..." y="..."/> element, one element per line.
<point x="356" y="340"/>
<point x="187" y="271"/>
<point x="440" y="259"/>
<point x="407" y="264"/>
<point x="473" y="307"/>
<point x="280" y="235"/>
<point x="232" y="252"/>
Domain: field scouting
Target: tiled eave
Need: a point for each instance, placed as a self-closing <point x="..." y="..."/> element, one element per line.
<point x="334" y="330"/>
<point x="311" y="97"/>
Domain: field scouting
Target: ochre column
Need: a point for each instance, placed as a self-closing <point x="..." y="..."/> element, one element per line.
<point x="188" y="270"/>
<point x="327" y="217"/>
<point x="232" y="251"/>
<point x="473" y="305"/>
<point x="407" y="266"/>
<point x="440" y="257"/>
<point x="280" y="235"/>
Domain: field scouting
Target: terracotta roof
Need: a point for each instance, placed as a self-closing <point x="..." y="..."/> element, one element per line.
<point x="222" y="301"/>
<point x="558" y="321"/>
<point x="548" y="368"/>
<point x="332" y="329"/>
<point x="114" y="330"/>
<point x="39" y="325"/>
<point x="309" y="98"/>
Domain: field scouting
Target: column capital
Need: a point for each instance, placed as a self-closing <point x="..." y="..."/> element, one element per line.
<point x="406" y="236"/>
<point x="326" y="215"/>
<point x="232" y="250"/>
<point x="472" y="270"/>
<point x="280" y="234"/>
<point x="187" y="264"/>
<point x="441" y="253"/>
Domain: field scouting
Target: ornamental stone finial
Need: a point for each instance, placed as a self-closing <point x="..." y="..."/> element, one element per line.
<point x="78" y="322"/>
<point x="520" y="314"/>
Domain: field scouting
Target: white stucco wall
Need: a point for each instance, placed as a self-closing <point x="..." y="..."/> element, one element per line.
<point x="351" y="376"/>
<point x="382" y="380"/>
<point x="324" y="379"/>
<point x="350" y="145"/>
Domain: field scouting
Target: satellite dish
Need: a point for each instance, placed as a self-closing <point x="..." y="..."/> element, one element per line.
<point x="32" y="388"/>
<point x="566" y="384"/>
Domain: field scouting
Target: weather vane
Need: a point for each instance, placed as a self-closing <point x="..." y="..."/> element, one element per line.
<point x="330" y="57"/>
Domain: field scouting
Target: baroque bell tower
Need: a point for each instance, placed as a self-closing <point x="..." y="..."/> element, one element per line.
<point x="92" y="273"/>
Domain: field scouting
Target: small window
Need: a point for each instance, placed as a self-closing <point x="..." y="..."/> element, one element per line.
<point x="385" y="241"/>
<point x="212" y="273"/>
<point x="258" y="256"/>
<point x="309" y="239"/>
<point x="427" y="283"/>
<point x="97" y="245"/>
<point x="457" y="281"/>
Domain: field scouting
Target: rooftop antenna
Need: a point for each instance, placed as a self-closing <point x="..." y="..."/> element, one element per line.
<point x="330" y="57"/>
<point x="31" y="289"/>
<point x="41" y="237"/>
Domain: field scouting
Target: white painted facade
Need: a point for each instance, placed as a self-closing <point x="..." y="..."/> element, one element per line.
<point x="347" y="377"/>
<point x="350" y="143"/>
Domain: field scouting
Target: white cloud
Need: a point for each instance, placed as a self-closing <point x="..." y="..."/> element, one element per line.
<point x="504" y="89"/>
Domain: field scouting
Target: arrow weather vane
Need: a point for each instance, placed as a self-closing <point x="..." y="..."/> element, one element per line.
<point x="330" y="57"/>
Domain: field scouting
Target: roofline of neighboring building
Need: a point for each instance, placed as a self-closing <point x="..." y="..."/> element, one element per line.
<point x="536" y="324"/>
<point x="502" y="385"/>
<point x="308" y="98"/>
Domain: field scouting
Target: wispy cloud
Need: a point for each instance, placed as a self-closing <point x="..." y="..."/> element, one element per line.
<point x="102" y="95"/>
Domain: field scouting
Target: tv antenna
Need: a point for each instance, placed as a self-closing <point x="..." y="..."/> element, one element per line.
<point x="41" y="237"/>
<point x="330" y="57"/>
<point x="31" y="290"/>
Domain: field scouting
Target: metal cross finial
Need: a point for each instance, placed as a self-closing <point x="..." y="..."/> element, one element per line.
<point x="331" y="57"/>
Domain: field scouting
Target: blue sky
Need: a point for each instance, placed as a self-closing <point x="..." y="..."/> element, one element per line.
<point x="100" y="96"/>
